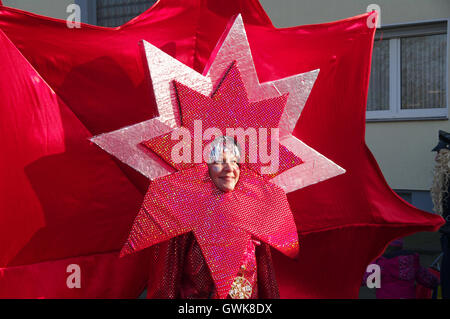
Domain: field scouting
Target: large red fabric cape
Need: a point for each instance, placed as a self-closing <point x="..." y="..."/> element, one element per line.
<point x="63" y="201"/>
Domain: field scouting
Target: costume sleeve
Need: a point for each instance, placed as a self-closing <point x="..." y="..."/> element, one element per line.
<point x="267" y="283"/>
<point x="196" y="281"/>
<point x="166" y="272"/>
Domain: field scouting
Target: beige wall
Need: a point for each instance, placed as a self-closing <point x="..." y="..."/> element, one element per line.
<point x="286" y="13"/>
<point x="50" y="8"/>
<point x="402" y="149"/>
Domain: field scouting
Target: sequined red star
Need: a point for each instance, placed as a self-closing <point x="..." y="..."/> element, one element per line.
<point x="225" y="111"/>
<point x="188" y="201"/>
<point x="222" y="223"/>
<point x="126" y="143"/>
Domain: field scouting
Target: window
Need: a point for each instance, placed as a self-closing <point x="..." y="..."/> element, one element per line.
<point x="409" y="73"/>
<point x="112" y="13"/>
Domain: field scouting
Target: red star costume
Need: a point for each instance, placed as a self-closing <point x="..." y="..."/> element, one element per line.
<point x="222" y="223"/>
<point x="188" y="201"/>
<point x="78" y="204"/>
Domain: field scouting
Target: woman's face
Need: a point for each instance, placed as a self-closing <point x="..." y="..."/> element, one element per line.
<point x="225" y="174"/>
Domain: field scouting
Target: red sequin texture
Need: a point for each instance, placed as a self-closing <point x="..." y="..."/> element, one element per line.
<point x="222" y="223"/>
<point x="181" y="272"/>
<point x="228" y="107"/>
<point x="248" y="266"/>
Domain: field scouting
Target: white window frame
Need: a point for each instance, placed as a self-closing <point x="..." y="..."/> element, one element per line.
<point x="393" y="33"/>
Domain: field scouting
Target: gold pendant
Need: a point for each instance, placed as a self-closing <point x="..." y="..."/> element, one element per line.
<point x="240" y="288"/>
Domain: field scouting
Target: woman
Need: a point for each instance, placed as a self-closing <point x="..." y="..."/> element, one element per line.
<point x="181" y="270"/>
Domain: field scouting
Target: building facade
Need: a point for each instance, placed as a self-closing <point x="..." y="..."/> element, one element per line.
<point x="408" y="96"/>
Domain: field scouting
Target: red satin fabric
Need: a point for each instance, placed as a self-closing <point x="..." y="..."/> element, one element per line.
<point x="101" y="276"/>
<point x="57" y="199"/>
<point x="62" y="198"/>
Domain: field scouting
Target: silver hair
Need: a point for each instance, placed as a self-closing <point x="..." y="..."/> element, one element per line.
<point x="223" y="144"/>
